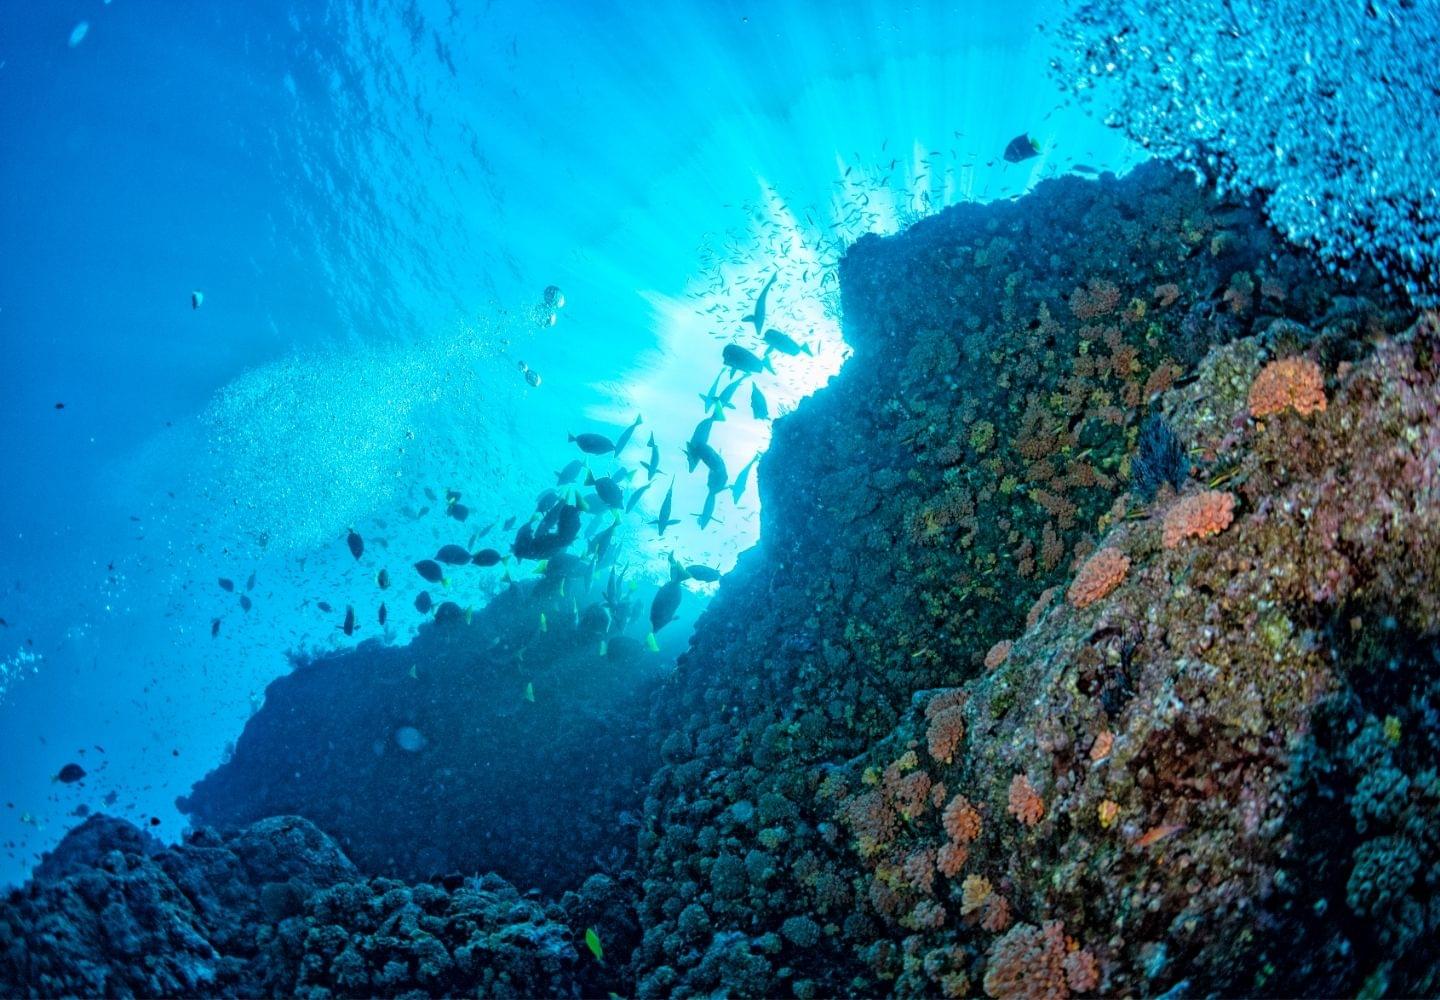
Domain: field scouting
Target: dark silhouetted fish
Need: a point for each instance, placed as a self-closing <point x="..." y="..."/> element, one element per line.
<point x="570" y="473"/>
<point x="349" y="625"/>
<point x="430" y="570"/>
<point x="662" y="610"/>
<point x="707" y="512"/>
<point x="777" y="341"/>
<point x="250" y="582"/>
<point x="635" y="496"/>
<point x="713" y="396"/>
<point x="324" y="606"/>
<point x="214" y="627"/>
<point x="546" y="500"/>
<point x="609" y="491"/>
<point x="697" y="452"/>
<point x="382" y="579"/>
<point x="723" y="401"/>
<point x="593" y="444"/>
<point x="653" y="466"/>
<point x="69" y="774"/>
<point x="601" y="544"/>
<point x="758" y="407"/>
<point x="423" y="604"/>
<point x="757" y="316"/>
<point x="742" y="478"/>
<point x="356" y="543"/>
<point x="509" y="523"/>
<point x="1022" y="147"/>
<point x="452" y="555"/>
<point x="742" y="359"/>
<point x="382" y="614"/>
<point x="245" y="603"/>
<point x="227" y="585"/>
<point x="665" y="520"/>
<point x="458" y="511"/>
<point x="486" y="557"/>
<point x="624" y="437"/>
<point x="705" y="574"/>
<point x="197" y="299"/>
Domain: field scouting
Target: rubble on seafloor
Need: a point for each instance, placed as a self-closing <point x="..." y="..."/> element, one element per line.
<point x="1089" y="649"/>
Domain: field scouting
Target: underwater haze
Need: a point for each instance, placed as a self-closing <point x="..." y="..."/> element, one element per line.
<point x="803" y="499"/>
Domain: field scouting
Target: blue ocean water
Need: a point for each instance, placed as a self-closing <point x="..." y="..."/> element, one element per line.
<point x="367" y="202"/>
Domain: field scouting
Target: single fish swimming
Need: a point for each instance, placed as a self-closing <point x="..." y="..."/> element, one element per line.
<point x="757" y="317"/>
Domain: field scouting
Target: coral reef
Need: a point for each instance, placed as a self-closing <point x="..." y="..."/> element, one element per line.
<point x="848" y="700"/>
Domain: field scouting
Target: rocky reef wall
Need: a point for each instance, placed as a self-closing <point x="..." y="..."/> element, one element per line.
<point x="884" y="770"/>
<point x="1089" y="649"/>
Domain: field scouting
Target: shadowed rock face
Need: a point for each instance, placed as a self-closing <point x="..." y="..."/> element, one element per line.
<point x="429" y="759"/>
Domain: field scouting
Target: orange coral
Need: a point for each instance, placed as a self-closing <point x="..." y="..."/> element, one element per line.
<point x="910" y="792"/>
<point x="1198" y="516"/>
<point x="962" y="820"/>
<point x="1025" y="802"/>
<point x="1097" y="298"/>
<point x="999" y="653"/>
<point x="1100" y="749"/>
<point x="1288" y="382"/>
<point x="944" y="734"/>
<point x="1028" y="962"/>
<point x="949" y="698"/>
<point x="1099" y="575"/>
<point x="872" y="820"/>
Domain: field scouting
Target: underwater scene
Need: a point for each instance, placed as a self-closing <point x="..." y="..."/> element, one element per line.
<point x="718" y="499"/>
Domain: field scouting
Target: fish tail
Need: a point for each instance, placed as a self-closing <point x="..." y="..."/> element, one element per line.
<point x="651" y="644"/>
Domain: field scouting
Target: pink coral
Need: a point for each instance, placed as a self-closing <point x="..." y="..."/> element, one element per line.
<point x="1198" y="516"/>
<point x="1099" y="575"/>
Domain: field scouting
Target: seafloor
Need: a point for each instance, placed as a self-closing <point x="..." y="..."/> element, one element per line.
<point x="1090" y="648"/>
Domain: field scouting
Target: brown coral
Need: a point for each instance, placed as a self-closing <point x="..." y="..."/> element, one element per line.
<point x="1099" y="575"/>
<point x="962" y="820"/>
<point x="1198" y="516"/>
<point x="1025" y="802"/>
<point x="1289" y="382"/>
<point x="998" y="654"/>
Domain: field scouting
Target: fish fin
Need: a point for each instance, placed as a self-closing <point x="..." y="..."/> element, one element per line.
<point x="651" y="644"/>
